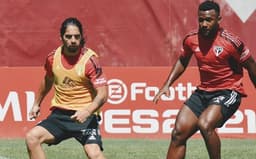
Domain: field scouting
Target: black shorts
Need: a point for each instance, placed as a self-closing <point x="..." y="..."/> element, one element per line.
<point x="229" y="101"/>
<point x="62" y="127"/>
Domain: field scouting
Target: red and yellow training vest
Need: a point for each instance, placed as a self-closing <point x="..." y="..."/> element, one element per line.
<point x="73" y="90"/>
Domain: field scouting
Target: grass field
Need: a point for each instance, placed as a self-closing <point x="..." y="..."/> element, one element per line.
<point x="131" y="149"/>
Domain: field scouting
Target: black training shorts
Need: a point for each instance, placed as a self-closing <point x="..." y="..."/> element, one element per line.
<point x="229" y="101"/>
<point x="62" y="127"/>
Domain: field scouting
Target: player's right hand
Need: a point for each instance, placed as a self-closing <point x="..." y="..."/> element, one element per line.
<point x="164" y="90"/>
<point x="34" y="112"/>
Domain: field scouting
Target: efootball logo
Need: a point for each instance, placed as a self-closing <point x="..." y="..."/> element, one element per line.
<point x="117" y="91"/>
<point x="218" y="50"/>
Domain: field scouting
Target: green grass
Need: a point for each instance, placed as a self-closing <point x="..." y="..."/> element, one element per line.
<point x="131" y="149"/>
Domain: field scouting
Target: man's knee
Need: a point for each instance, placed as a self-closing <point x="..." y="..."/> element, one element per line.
<point x="178" y="136"/>
<point x="93" y="151"/>
<point x="206" y="127"/>
<point x="37" y="136"/>
<point x="31" y="139"/>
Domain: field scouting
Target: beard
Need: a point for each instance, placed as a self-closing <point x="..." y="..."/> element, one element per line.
<point x="204" y="32"/>
<point x="208" y="33"/>
<point x="72" y="49"/>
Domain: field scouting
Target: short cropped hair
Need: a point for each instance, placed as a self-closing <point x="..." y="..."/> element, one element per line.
<point x="209" y="5"/>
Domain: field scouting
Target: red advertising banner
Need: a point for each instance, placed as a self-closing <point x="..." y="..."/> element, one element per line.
<point x="120" y="31"/>
<point x="129" y="111"/>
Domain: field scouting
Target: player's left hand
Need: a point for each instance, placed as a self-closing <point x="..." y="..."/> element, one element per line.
<point x="80" y="116"/>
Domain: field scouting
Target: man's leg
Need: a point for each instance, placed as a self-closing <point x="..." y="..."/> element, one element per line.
<point x="34" y="139"/>
<point x="185" y="127"/>
<point x="93" y="151"/>
<point x="208" y="122"/>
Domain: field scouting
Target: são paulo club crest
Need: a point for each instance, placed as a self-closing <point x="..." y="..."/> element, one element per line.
<point x="218" y="50"/>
